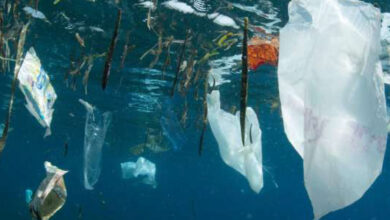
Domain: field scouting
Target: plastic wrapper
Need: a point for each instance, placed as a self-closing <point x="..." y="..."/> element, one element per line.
<point x="96" y="126"/>
<point x="28" y="195"/>
<point x="143" y="168"/>
<point x="37" y="89"/>
<point x="50" y="195"/>
<point x="332" y="98"/>
<point x="247" y="159"/>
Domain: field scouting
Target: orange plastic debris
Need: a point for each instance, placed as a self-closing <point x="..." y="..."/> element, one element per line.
<point x="261" y="51"/>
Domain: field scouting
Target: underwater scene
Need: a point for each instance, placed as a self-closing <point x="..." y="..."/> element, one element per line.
<point x="194" y="109"/>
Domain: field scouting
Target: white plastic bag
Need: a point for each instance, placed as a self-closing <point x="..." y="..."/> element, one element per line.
<point x="332" y="97"/>
<point x="142" y="167"/>
<point x="247" y="160"/>
<point x="39" y="93"/>
<point x="96" y="126"/>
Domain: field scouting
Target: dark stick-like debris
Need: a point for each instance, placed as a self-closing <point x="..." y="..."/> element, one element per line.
<point x="18" y="64"/>
<point x="66" y="149"/>
<point x="157" y="52"/>
<point x="168" y="56"/>
<point x="181" y="56"/>
<point x="204" y="119"/>
<point x="244" y="81"/>
<point x="110" y="53"/>
<point x="125" y="50"/>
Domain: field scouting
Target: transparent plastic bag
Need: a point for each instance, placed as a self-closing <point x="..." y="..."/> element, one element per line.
<point x="96" y="126"/>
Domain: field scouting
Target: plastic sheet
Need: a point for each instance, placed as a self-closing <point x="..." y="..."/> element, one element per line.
<point x="37" y="89"/>
<point x="171" y="127"/>
<point x="247" y="160"/>
<point x="332" y="98"/>
<point x="96" y="126"/>
<point x="50" y="195"/>
<point x="142" y="167"/>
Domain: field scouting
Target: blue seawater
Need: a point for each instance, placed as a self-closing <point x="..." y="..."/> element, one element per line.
<point x="189" y="186"/>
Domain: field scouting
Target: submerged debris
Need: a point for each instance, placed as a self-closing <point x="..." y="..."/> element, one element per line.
<point x="204" y="118"/>
<point x="142" y="167"/>
<point x="110" y="52"/>
<point x="153" y="143"/>
<point x="50" y="195"/>
<point x="18" y="63"/>
<point x="263" y="51"/>
<point x="80" y="39"/>
<point x="157" y="52"/>
<point x="66" y="149"/>
<point x="179" y="62"/>
<point x="126" y="49"/>
<point x="167" y="61"/>
<point x="37" y="89"/>
<point x="244" y="81"/>
<point x="96" y="126"/>
<point x="35" y="13"/>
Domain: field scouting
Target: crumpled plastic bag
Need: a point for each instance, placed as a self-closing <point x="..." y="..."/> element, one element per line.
<point x="50" y="195"/>
<point x="96" y="126"/>
<point x="37" y="89"/>
<point x="247" y="160"/>
<point x="142" y="167"/>
<point x="332" y="98"/>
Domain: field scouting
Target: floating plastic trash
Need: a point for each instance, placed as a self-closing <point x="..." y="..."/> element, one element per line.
<point x="50" y="195"/>
<point x="223" y="20"/>
<point x="182" y="7"/>
<point x="28" y="195"/>
<point x="37" y="89"/>
<point x="142" y="167"/>
<point x="35" y="13"/>
<point x="171" y="127"/>
<point x="247" y="159"/>
<point x="96" y="126"/>
<point x="332" y="98"/>
<point x="263" y="51"/>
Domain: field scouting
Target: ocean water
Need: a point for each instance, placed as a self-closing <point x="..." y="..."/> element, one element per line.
<point x="189" y="186"/>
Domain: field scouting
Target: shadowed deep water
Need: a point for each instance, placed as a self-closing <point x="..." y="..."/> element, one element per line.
<point x="189" y="186"/>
